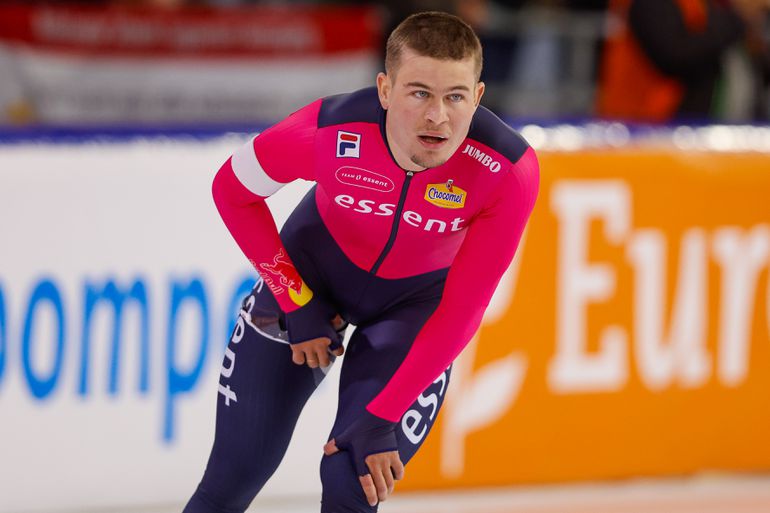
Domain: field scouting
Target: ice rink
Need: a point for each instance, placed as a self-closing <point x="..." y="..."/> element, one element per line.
<point x="703" y="494"/>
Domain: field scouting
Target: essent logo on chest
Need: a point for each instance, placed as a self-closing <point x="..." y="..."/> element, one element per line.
<point x="410" y="217"/>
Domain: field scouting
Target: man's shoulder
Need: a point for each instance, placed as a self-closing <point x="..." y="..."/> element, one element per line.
<point x="362" y="106"/>
<point x="493" y="132"/>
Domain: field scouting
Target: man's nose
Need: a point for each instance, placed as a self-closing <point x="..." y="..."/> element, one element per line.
<point x="436" y="112"/>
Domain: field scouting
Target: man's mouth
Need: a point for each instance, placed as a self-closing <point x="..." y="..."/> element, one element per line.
<point x="432" y="140"/>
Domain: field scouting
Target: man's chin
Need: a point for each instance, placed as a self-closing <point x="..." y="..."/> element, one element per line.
<point x="427" y="161"/>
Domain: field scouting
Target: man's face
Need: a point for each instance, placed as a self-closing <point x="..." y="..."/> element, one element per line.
<point x="430" y="105"/>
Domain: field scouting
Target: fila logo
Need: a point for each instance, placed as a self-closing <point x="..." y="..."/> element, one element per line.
<point x="348" y="144"/>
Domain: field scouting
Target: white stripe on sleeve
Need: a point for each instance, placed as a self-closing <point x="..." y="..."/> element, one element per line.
<point x="250" y="173"/>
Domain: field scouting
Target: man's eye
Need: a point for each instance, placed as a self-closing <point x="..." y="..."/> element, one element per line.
<point x="456" y="97"/>
<point x="421" y="94"/>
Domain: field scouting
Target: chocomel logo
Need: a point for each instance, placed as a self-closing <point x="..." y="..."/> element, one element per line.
<point x="445" y="195"/>
<point x="482" y="157"/>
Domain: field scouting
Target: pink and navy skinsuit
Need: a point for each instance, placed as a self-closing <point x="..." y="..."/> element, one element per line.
<point x="410" y="258"/>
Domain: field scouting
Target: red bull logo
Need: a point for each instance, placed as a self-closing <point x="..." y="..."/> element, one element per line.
<point x="289" y="277"/>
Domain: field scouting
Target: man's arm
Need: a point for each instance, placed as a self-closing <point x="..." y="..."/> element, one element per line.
<point x="257" y="170"/>
<point x="485" y="255"/>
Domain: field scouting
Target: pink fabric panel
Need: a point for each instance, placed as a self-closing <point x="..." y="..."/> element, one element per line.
<point x="286" y="150"/>
<point x="356" y="215"/>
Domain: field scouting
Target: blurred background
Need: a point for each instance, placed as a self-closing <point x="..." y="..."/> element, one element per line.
<point x="162" y="61"/>
<point x="622" y="366"/>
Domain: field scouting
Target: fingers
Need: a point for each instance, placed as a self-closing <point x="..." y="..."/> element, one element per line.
<point x="312" y="357"/>
<point x="369" y="490"/>
<point x="398" y="469"/>
<point x="297" y="355"/>
<point x="314" y="352"/>
<point x="319" y="357"/>
<point x="331" y="447"/>
<point x="380" y="484"/>
<point x="390" y="483"/>
<point x="312" y="360"/>
<point x="384" y="470"/>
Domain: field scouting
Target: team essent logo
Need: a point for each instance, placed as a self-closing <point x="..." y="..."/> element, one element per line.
<point x="288" y="277"/>
<point x="482" y="157"/>
<point x="358" y="177"/>
<point x="348" y="144"/>
<point x="445" y="195"/>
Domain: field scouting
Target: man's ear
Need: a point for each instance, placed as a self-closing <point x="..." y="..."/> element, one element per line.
<point x="480" y="87"/>
<point x="384" y="88"/>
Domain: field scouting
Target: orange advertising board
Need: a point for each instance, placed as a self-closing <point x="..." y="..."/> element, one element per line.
<point x="629" y="337"/>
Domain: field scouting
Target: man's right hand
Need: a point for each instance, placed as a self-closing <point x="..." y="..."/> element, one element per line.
<point x="315" y="352"/>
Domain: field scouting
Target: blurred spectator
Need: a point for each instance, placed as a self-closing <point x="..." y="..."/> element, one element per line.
<point x="539" y="55"/>
<point x="664" y="60"/>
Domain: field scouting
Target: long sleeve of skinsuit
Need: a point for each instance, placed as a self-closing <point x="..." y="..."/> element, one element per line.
<point x="240" y="188"/>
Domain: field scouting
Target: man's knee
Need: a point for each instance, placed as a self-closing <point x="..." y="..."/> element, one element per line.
<point x="342" y="491"/>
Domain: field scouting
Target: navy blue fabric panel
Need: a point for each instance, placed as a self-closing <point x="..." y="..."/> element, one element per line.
<point x="356" y="107"/>
<point x="492" y="131"/>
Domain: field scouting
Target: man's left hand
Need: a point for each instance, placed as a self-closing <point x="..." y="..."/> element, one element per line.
<point x="371" y="444"/>
<point x="385" y="468"/>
